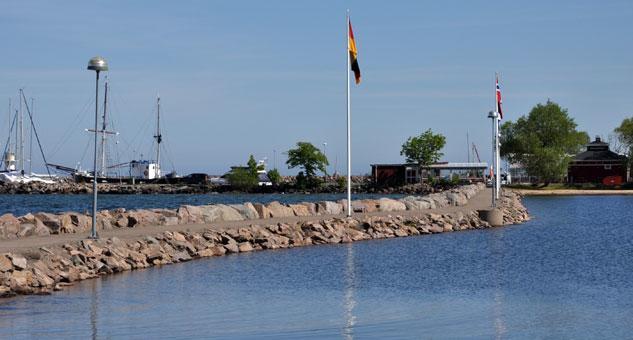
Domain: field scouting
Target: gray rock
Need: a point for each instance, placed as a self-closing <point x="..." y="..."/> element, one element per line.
<point x="279" y="210"/>
<point x="329" y="208"/>
<point x="387" y="204"/>
<point x="247" y="210"/>
<point x="18" y="261"/>
<point x="5" y="263"/>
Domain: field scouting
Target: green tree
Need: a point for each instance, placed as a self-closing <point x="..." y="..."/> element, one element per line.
<point x="625" y="135"/>
<point x="341" y="183"/>
<point x="274" y="176"/>
<point x="543" y="142"/>
<point x="309" y="158"/>
<point x="424" y="149"/>
<point x="252" y="166"/>
<point x="242" y="179"/>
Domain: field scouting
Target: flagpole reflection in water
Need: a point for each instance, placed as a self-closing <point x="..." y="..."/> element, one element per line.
<point x="94" y="306"/>
<point x="350" y="300"/>
<point x="498" y="298"/>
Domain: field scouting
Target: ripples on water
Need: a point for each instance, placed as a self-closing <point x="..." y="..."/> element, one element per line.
<point x="24" y="204"/>
<point x="566" y="274"/>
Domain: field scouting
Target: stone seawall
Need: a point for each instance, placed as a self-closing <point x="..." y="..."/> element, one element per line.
<point x="42" y="224"/>
<point x="45" y="269"/>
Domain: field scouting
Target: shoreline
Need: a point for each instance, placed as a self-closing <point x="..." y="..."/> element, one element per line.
<point x="41" y="265"/>
<point x="572" y="192"/>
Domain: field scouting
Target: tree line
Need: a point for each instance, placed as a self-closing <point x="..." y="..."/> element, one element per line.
<point x="546" y="140"/>
<point x="543" y="142"/>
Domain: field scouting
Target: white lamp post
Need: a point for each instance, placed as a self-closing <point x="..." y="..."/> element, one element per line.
<point x="96" y="64"/>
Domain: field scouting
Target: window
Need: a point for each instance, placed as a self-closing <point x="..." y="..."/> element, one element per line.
<point x="411" y="175"/>
<point x="607" y="166"/>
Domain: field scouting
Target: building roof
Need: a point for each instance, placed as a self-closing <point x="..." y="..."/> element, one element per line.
<point x="442" y="165"/>
<point x="598" y="150"/>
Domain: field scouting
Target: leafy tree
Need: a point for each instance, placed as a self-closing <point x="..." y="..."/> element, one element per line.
<point x="424" y="149"/>
<point x="242" y="179"/>
<point x="341" y="183"/>
<point x="274" y="176"/>
<point x="543" y="142"/>
<point x="309" y="158"/>
<point x="252" y="165"/>
<point x="625" y="135"/>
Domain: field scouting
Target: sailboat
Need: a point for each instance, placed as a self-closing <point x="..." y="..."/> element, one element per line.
<point x="13" y="156"/>
<point x="140" y="171"/>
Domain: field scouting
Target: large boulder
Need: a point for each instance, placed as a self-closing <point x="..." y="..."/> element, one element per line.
<point x="469" y="190"/>
<point x="388" y="204"/>
<point x="456" y="198"/>
<point x="279" y="210"/>
<point x="9" y="226"/>
<point x="368" y="204"/>
<point x="165" y="217"/>
<point x="189" y="214"/>
<point x="439" y="199"/>
<point x="18" y="261"/>
<point x="5" y="263"/>
<point x="219" y="212"/>
<point x="50" y="220"/>
<point x="139" y="217"/>
<point x="415" y="203"/>
<point x="247" y="210"/>
<point x="262" y="210"/>
<point x="26" y="229"/>
<point x="329" y="208"/>
<point x="299" y="209"/>
<point x="80" y="222"/>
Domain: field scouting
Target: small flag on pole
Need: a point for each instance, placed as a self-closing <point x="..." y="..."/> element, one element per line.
<point x="499" y="109"/>
<point x="353" y="54"/>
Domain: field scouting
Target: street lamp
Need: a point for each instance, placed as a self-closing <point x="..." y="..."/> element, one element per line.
<point x="96" y="64"/>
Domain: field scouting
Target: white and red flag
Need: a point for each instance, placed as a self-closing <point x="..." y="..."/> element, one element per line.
<point x="499" y="102"/>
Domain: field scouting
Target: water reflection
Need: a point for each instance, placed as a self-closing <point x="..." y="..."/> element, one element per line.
<point x="350" y="301"/>
<point x="498" y="299"/>
<point x="94" y="307"/>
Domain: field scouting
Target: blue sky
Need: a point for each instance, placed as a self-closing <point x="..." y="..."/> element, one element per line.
<point x="249" y="77"/>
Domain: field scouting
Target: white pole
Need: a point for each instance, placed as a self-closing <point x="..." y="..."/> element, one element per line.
<point x="492" y="180"/>
<point x="21" y="140"/>
<point x="349" y="123"/>
<point x="498" y="157"/>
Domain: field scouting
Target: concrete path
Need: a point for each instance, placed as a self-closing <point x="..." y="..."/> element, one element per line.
<point x="479" y="202"/>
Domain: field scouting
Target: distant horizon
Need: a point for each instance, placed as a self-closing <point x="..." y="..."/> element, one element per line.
<point x="244" y="78"/>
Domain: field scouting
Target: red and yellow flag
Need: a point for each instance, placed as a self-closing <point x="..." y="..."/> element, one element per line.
<point x="353" y="54"/>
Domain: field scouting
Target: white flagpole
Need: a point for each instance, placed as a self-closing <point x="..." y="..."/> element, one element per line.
<point x="349" y="124"/>
<point x="498" y="157"/>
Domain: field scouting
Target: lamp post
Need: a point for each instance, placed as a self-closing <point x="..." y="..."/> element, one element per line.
<point x="96" y="64"/>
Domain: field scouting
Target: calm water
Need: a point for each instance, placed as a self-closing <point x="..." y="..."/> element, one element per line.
<point x="566" y="274"/>
<point x="23" y="204"/>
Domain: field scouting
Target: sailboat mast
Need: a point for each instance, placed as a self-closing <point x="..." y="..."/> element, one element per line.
<point x="103" y="130"/>
<point x="159" y="137"/>
<point x="31" y="138"/>
<point x="21" y="140"/>
<point x="17" y="135"/>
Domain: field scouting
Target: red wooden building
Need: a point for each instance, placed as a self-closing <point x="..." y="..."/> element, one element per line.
<point x="597" y="164"/>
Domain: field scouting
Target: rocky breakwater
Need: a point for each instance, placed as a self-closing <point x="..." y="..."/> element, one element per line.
<point x="42" y="224"/>
<point x="71" y="187"/>
<point x="45" y="269"/>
